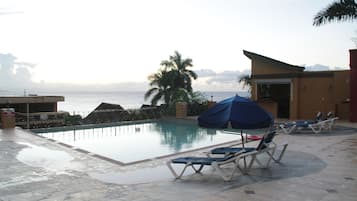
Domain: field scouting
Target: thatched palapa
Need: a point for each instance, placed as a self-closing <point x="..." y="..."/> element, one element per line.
<point x="106" y="113"/>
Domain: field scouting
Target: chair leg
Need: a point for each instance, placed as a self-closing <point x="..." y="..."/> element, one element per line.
<point x="255" y="159"/>
<point x="252" y="160"/>
<point x="288" y="130"/>
<point x="177" y="176"/>
<point x="316" y="129"/>
<point x="270" y="155"/>
<point x="197" y="170"/>
<point x="281" y="154"/>
<point x="218" y="169"/>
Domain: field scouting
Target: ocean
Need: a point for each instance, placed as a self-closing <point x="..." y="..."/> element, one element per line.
<point x="84" y="102"/>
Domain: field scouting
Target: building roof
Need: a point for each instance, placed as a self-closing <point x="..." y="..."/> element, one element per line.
<point x="299" y="74"/>
<point x="108" y="106"/>
<point x="30" y="99"/>
<point x="107" y="112"/>
<point x="252" y="55"/>
<point x="293" y="75"/>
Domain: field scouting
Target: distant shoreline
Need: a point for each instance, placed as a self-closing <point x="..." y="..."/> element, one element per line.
<point x="85" y="102"/>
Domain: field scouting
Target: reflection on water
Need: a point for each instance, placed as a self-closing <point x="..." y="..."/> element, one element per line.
<point x="45" y="158"/>
<point x="178" y="135"/>
<point x="128" y="143"/>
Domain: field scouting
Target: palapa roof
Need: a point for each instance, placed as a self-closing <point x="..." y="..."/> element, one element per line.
<point x="107" y="112"/>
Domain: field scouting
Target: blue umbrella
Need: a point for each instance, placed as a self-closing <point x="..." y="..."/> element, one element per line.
<point x="241" y="113"/>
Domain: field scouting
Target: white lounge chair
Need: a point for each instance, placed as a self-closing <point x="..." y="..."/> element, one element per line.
<point x="316" y="127"/>
<point x="266" y="145"/>
<point x="319" y="126"/>
<point x="230" y="157"/>
<point x="216" y="163"/>
<point x="266" y="141"/>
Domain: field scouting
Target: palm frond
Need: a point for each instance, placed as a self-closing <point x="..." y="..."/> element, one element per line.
<point x="187" y="63"/>
<point x="156" y="98"/>
<point x="167" y="64"/>
<point x="150" y="92"/>
<point x="245" y="80"/>
<point x="338" y="11"/>
<point x="192" y="74"/>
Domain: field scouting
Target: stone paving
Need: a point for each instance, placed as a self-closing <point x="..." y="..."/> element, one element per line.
<point x="315" y="167"/>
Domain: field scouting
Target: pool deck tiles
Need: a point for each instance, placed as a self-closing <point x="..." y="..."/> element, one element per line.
<point x="319" y="167"/>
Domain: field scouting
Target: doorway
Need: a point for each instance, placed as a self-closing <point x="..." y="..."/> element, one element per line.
<point x="279" y="93"/>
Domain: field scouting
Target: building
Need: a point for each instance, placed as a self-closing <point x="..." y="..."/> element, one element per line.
<point x="35" y="111"/>
<point x="287" y="91"/>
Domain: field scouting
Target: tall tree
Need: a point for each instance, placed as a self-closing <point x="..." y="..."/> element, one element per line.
<point x="161" y="87"/>
<point x="173" y="82"/>
<point x="342" y="10"/>
<point x="183" y="78"/>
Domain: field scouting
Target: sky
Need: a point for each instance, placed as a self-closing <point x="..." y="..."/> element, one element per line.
<point x="121" y="42"/>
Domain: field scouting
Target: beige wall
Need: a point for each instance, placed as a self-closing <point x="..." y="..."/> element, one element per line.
<point x="324" y="94"/>
<point x="315" y="94"/>
<point x="263" y="68"/>
<point x="341" y="88"/>
<point x="294" y="99"/>
<point x="310" y="95"/>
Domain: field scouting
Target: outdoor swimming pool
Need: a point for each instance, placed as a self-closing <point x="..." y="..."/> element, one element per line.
<point x="136" y="142"/>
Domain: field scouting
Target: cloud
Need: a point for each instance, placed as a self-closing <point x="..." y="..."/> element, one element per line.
<point x="16" y="76"/>
<point x="26" y="64"/>
<point x="205" y="73"/>
<point x="222" y="77"/>
<point x="11" y="13"/>
<point x="222" y="81"/>
<point x="7" y="11"/>
<point x="13" y="75"/>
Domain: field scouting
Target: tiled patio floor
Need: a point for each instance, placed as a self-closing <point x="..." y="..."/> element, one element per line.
<point x="315" y="167"/>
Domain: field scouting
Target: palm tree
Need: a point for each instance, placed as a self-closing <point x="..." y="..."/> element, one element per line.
<point x="246" y="81"/>
<point x="179" y="66"/>
<point x="338" y="11"/>
<point x="161" y="84"/>
<point x="173" y="83"/>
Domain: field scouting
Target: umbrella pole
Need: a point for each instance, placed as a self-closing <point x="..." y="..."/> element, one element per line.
<point x="245" y="162"/>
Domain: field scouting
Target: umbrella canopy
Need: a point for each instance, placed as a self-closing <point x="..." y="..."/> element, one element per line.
<point x="241" y="113"/>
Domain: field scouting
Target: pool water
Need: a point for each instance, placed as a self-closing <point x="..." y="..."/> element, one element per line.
<point x="130" y="143"/>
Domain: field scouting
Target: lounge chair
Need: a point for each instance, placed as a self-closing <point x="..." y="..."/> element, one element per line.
<point x="232" y="155"/>
<point x="215" y="162"/>
<point x="316" y="126"/>
<point x="266" y="145"/>
<point x="332" y="120"/>
<point x="291" y="127"/>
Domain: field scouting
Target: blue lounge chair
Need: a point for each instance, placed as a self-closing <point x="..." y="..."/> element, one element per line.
<point x="266" y="145"/>
<point x="332" y="120"/>
<point x="315" y="125"/>
<point x="290" y="127"/>
<point x="264" y="142"/>
<point x="200" y="162"/>
<point x="231" y="155"/>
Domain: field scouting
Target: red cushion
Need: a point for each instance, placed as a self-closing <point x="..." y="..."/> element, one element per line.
<point x="254" y="137"/>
